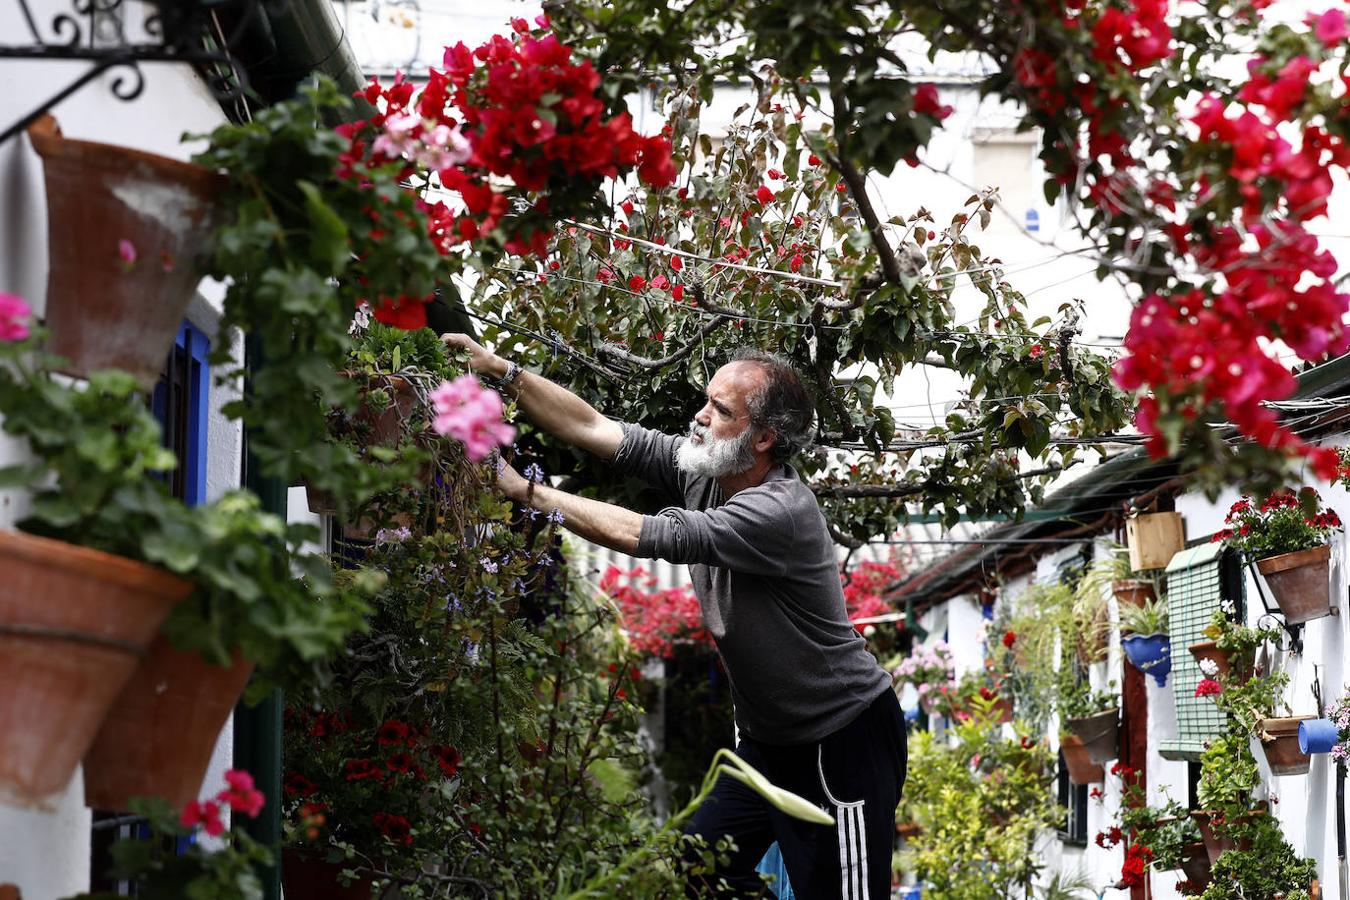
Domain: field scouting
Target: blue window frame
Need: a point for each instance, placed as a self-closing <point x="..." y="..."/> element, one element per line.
<point x="180" y="401"/>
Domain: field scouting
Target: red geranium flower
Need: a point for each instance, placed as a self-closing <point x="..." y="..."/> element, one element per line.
<point x="360" y="769"/>
<point x="1009" y="638"/>
<point x="396" y="828"/>
<point x="392" y="732"/>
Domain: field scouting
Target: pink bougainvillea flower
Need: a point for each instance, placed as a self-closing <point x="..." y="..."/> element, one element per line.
<point x="126" y="254"/>
<point x="472" y="415"/>
<point x="1330" y="27"/>
<point x="14" y="315"/>
<point x="205" y="814"/>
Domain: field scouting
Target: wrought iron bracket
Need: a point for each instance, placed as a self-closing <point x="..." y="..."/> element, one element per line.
<point x="1295" y="632"/>
<point x="172" y="31"/>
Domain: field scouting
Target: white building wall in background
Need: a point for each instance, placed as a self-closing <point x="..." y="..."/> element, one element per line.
<point x="46" y="853"/>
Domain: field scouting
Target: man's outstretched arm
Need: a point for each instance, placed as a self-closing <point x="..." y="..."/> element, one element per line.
<point x="598" y="522"/>
<point x="553" y="408"/>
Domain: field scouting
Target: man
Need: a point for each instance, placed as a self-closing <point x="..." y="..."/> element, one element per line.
<point x="815" y="712"/>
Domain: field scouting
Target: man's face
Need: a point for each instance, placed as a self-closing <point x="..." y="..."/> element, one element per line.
<point x="721" y="437"/>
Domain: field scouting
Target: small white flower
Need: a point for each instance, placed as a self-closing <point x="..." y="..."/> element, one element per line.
<point x="1227" y="607"/>
<point x="360" y="321"/>
<point x="1209" y="667"/>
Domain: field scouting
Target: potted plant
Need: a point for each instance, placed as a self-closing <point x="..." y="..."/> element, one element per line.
<point x="1288" y="536"/>
<point x="1081" y="768"/>
<point x="168" y="858"/>
<point x="1231" y="647"/>
<point x="125" y="252"/>
<point x="928" y="669"/>
<point x="1257" y="706"/>
<point x="1266" y="866"/>
<point x="1168" y="831"/>
<point x="96" y="451"/>
<point x="1092" y="716"/>
<point x="1144" y="636"/>
<point x="1091" y="612"/>
<point x="979" y="695"/>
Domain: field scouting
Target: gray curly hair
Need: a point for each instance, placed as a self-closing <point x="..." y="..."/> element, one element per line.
<point x="782" y="404"/>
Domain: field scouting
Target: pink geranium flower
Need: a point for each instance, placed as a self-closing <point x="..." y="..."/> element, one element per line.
<point x="126" y="254"/>
<point x="1208" y="687"/>
<point x="472" y="415"/>
<point x="205" y="814"/>
<point x="241" y="795"/>
<point x="14" y="315"/>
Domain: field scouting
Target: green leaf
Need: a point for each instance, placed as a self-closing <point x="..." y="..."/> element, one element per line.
<point x="328" y="233"/>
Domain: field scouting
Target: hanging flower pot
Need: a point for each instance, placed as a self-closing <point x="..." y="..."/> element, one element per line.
<point x="309" y="876"/>
<point x="158" y="736"/>
<point x="1099" y="734"/>
<point x="1204" y="650"/>
<point x="1300" y="583"/>
<point x="1132" y="591"/>
<point x="74" y="622"/>
<point x="1213" y="831"/>
<point x="1318" y="736"/>
<point x="1195" y="865"/>
<point x="1279" y="740"/>
<point x="126" y="232"/>
<point x="1082" y="770"/>
<point x="1150" y="654"/>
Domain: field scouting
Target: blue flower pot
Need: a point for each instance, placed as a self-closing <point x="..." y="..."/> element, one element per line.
<point x="1317" y="735"/>
<point x="1150" y="654"/>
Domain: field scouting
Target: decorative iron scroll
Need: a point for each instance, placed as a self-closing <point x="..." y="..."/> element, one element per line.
<point x="182" y="31"/>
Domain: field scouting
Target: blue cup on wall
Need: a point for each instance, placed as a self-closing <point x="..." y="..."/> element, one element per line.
<point x="1317" y="735"/>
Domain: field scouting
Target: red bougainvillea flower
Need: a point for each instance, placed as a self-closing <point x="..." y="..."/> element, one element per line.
<point x="813" y="160"/>
<point x="204" y="813"/>
<point x="14" y="316"/>
<point x="764" y="195"/>
<point x="472" y="415"/>
<point x="1009" y="638"/>
<point x="926" y="102"/>
<point x="1208" y="687"/>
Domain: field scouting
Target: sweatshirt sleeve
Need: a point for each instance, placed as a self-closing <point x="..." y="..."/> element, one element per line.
<point x="752" y="533"/>
<point x="650" y="455"/>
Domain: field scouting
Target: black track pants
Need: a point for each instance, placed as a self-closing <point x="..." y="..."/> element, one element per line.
<point x="854" y="774"/>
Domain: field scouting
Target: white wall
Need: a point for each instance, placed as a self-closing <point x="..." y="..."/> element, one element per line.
<point x="47" y="853"/>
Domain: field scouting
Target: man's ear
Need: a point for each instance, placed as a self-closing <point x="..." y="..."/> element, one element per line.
<point x="767" y="438"/>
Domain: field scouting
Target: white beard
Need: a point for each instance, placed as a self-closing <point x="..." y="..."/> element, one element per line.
<point x="715" y="458"/>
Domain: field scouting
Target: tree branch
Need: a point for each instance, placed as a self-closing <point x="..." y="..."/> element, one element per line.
<point x="857" y="186"/>
<point x="615" y="353"/>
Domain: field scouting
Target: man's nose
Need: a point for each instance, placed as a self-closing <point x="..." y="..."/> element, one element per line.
<point x="704" y="417"/>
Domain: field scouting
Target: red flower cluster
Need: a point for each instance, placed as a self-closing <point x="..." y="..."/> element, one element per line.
<point x="865" y="586"/>
<point x="1208" y="687"/>
<point x="1110" y="837"/>
<point x="1009" y="638"/>
<point x="531" y="114"/>
<point x="656" y="620"/>
<point x="1137" y="858"/>
<point x="1134" y="39"/>
<point x="396" y="828"/>
<point x="239" y="795"/>
<point x="447" y="759"/>
<point x="926" y="102"/>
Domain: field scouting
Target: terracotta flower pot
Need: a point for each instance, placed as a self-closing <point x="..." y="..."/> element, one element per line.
<point x="1204" y="650"/>
<point x="1216" y="841"/>
<point x="1300" y="583"/>
<point x="309" y="877"/>
<point x="158" y="736"/>
<point x="1195" y="865"/>
<point x="1082" y="770"/>
<point x="1132" y="591"/>
<point x="74" y="623"/>
<point x="1099" y="734"/>
<point x="1004" y="710"/>
<point x="103" y="310"/>
<point x="907" y="830"/>
<point x="386" y="425"/>
<point x="1281" y="749"/>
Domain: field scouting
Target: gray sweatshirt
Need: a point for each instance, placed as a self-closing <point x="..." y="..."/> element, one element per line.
<point x="766" y="576"/>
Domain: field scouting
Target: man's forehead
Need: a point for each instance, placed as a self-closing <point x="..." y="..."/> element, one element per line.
<point x="734" y="381"/>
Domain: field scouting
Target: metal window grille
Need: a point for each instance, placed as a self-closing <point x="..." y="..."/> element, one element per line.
<point x="1198" y="579"/>
<point x="180" y="402"/>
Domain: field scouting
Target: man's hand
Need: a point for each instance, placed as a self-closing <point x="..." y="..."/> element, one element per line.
<point x="481" y="360"/>
<point x="511" y="483"/>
